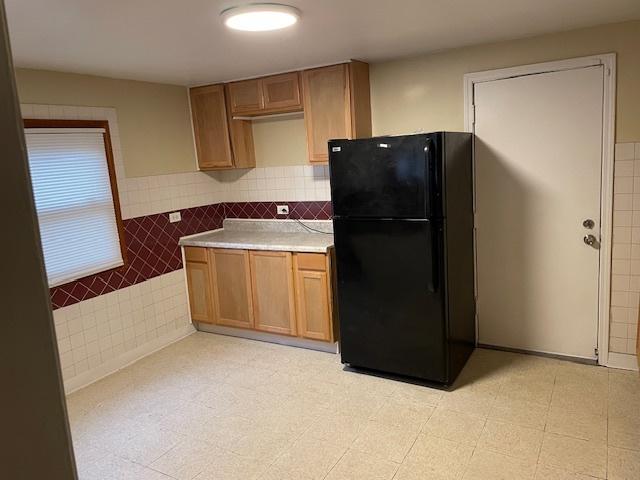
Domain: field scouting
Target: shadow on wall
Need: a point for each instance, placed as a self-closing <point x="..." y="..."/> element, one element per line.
<point x="318" y="172"/>
<point x="504" y="261"/>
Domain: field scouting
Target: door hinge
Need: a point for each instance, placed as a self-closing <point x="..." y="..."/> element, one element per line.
<point x="595" y="352"/>
<point x="473" y="114"/>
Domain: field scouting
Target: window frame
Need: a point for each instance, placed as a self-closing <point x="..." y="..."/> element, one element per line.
<point x="103" y="124"/>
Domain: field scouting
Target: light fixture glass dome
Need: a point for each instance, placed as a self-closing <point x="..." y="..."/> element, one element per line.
<point x="260" y="17"/>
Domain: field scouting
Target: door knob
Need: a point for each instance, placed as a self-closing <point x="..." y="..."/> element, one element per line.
<point x="591" y="241"/>
<point x="588" y="223"/>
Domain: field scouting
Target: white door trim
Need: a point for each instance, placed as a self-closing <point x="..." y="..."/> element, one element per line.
<point x="608" y="144"/>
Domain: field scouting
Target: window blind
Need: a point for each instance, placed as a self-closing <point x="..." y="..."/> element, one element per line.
<point x="74" y="202"/>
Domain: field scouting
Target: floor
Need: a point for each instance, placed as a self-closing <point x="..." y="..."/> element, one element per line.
<point x="215" y="407"/>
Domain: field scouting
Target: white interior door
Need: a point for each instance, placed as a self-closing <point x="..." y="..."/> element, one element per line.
<point x="538" y="154"/>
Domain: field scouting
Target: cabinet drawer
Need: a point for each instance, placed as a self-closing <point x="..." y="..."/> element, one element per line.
<point x="312" y="261"/>
<point x="195" y="254"/>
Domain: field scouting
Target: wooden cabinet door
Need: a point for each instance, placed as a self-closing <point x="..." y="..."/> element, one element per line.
<point x="638" y="344"/>
<point x="326" y="108"/>
<point x="198" y="284"/>
<point x="313" y="297"/>
<point x="360" y="97"/>
<point x="210" y="127"/>
<point x="282" y="92"/>
<point x="273" y="292"/>
<point x="246" y="96"/>
<point x="241" y="133"/>
<point x="231" y="281"/>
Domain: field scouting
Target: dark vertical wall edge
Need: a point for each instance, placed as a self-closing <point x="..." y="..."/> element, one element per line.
<point x="35" y="430"/>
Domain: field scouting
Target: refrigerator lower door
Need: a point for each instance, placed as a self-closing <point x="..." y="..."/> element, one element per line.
<point x="390" y="296"/>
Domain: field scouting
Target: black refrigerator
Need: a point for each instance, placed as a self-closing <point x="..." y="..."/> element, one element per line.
<point x="403" y="228"/>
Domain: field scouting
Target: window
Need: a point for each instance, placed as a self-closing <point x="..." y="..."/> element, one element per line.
<point x="76" y="197"/>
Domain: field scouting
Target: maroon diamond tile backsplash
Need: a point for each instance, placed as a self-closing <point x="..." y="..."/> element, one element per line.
<point x="152" y="244"/>
<point x="267" y="210"/>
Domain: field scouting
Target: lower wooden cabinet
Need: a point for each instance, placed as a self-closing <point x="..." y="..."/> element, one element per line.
<point x="273" y="292"/>
<point x="231" y="286"/>
<point x="313" y="296"/>
<point x="199" y="281"/>
<point x="277" y="292"/>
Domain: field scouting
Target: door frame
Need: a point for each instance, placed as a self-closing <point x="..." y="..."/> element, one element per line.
<point x="608" y="61"/>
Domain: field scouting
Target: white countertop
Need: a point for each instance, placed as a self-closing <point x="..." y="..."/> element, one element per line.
<point x="277" y="235"/>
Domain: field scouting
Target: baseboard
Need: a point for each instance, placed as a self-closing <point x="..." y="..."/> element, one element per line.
<point x="622" y="361"/>
<point x="329" y="347"/>
<point x="127" y="358"/>
<point x="559" y="356"/>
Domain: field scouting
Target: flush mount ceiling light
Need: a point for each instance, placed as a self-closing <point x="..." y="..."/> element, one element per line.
<point x="260" y="17"/>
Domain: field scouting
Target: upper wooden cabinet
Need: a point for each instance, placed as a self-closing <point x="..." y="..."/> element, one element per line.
<point x="246" y="96"/>
<point x="267" y="95"/>
<point x="335" y="100"/>
<point x="221" y="142"/>
<point x="282" y="92"/>
<point x="241" y="134"/>
<point x="337" y="104"/>
<point x="210" y="127"/>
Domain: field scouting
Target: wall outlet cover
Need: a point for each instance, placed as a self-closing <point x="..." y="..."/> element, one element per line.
<point x="282" y="209"/>
<point x="175" y="217"/>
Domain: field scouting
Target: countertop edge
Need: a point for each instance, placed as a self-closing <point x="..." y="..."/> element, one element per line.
<point x="194" y="241"/>
<point x="255" y="246"/>
<point x="188" y="238"/>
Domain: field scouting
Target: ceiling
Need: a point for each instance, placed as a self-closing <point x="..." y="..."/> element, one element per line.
<point x="184" y="41"/>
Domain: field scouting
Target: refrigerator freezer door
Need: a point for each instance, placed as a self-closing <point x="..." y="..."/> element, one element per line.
<point x="384" y="177"/>
<point x="391" y="305"/>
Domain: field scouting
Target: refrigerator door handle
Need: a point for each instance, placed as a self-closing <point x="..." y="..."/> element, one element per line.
<point x="432" y="282"/>
<point x="431" y="181"/>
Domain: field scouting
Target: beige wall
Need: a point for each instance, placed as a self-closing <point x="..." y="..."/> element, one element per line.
<point x="154" y="123"/>
<point x="280" y="141"/>
<point x="421" y="93"/>
<point x="426" y="92"/>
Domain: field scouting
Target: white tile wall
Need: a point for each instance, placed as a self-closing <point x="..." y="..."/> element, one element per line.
<point x="296" y="183"/>
<point x="163" y="193"/>
<point x="96" y="331"/>
<point x="625" y="262"/>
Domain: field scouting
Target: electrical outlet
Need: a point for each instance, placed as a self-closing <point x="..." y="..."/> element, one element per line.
<point x="174" y="217"/>
<point x="282" y="209"/>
